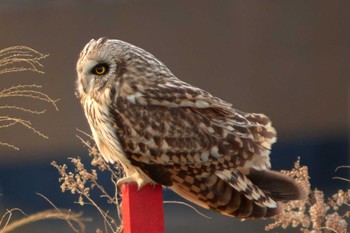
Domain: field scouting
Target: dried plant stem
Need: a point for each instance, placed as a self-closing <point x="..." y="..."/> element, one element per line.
<point x="6" y="121"/>
<point x="8" y="145"/>
<point x="20" y="58"/>
<point x="23" y="109"/>
<point x="66" y="215"/>
<point x="188" y="205"/>
<point x="108" y="221"/>
<point x="29" y="91"/>
<point x="82" y="181"/>
<point x="341" y="178"/>
<point x="16" y="59"/>
<point x="340" y="167"/>
<point x="5" y="219"/>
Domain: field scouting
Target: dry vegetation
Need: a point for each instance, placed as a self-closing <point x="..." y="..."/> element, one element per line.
<point x="17" y="59"/>
<point x="315" y="214"/>
<point x="74" y="220"/>
<point x="82" y="181"/>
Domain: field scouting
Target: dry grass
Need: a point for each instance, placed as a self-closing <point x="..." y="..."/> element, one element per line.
<point x="74" y="220"/>
<point x="17" y="59"/>
<point x="21" y="58"/>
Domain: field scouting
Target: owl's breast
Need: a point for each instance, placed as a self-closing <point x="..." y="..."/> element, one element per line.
<point x="104" y="132"/>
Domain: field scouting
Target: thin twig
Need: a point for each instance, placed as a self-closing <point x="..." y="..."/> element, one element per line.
<point x="68" y="218"/>
<point x="341" y="178"/>
<point x="8" y="145"/>
<point x="7" y="216"/>
<point x="23" y="109"/>
<point x="20" y="58"/>
<point x="27" y="124"/>
<point x="339" y="167"/>
<point x="188" y="205"/>
<point x="44" y="215"/>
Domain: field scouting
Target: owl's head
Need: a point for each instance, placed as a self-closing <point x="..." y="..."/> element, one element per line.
<point x="106" y="63"/>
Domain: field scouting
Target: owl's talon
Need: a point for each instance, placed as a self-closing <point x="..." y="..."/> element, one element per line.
<point x="131" y="179"/>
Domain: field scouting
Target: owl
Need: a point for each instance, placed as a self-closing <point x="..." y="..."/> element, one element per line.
<point x="165" y="131"/>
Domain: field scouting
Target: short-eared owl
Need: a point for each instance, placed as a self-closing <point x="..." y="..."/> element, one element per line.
<point x="163" y="130"/>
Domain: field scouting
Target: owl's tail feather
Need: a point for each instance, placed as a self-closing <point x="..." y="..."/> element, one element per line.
<point x="253" y="195"/>
<point x="276" y="185"/>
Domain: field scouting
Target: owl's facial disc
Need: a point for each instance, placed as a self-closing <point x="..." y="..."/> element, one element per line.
<point x="94" y="72"/>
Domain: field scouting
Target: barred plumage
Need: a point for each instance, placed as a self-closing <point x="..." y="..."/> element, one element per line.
<point x="163" y="130"/>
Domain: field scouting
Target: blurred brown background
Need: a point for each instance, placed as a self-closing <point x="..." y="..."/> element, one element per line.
<point x="287" y="59"/>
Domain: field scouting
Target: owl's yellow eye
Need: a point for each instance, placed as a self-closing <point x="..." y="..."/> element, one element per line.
<point x="100" y="69"/>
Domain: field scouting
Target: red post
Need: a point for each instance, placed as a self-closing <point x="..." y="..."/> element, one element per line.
<point x="142" y="210"/>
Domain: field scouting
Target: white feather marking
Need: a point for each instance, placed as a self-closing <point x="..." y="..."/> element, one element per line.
<point x="205" y="156"/>
<point x="154" y="102"/>
<point x="164" y="146"/>
<point x="270" y="203"/>
<point x="165" y="103"/>
<point x="150" y="143"/>
<point x="172" y="105"/>
<point x="202" y="125"/>
<point x="201" y="104"/>
<point x="186" y="103"/>
<point x="230" y="128"/>
<point x="133" y="133"/>
<point x="99" y="40"/>
<point x="224" y="175"/>
<point x="215" y="152"/>
<point x="132" y="98"/>
<point x="141" y="100"/>
<point x="168" y="84"/>
<point x="266" y="144"/>
<point x="241" y="183"/>
<point x="224" y="133"/>
<point x="165" y="158"/>
<point x="211" y="130"/>
<point x="255" y="195"/>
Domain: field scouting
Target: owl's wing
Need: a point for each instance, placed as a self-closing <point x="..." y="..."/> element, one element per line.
<point x="187" y="125"/>
<point x="205" y="150"/>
